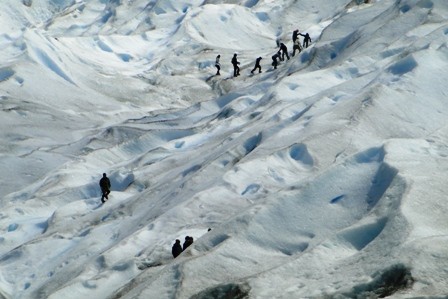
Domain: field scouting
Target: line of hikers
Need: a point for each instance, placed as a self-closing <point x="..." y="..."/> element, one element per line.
<point x="279" y="56"/>
<point x="105" y="184"/>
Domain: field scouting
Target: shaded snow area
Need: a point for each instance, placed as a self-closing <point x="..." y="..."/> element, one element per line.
<point x="323" y="178"/>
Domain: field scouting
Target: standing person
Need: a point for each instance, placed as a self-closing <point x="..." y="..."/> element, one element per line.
<point x="284" y="51"/>
<point x="296" y="46"/>
<point x="176" y="249"/>
<point x="306" y="40"/>
<point x="105" y="187"/>
<point x="274" y="59"/>
<point x="236" y="68"/>
<point x="257" y="65"/>
<point x="188" y="242"/>
<point x="218" y="65"/>
<point x="295" y="35"/>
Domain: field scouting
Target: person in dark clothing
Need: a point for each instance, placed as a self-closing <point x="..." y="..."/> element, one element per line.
<point x="257" y="65"/>
<point x="188" y="242"/>
<point x="306" y="40"/>
<point x="177" y="249"/>
<point x="295" y="35"/>
<point x="274" y="59"/>
<point x="236" y="68"/>
<point x="296" y="46"/>
<point x="218" y="65"/>
<point x="105" y="187"/>
<point x="284" y="51"/>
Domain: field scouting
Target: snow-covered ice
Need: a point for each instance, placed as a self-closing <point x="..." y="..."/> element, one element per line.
<point x="325" y="178"/>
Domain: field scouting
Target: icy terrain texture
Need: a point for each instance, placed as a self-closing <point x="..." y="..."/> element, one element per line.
<point x="324" y="178"/>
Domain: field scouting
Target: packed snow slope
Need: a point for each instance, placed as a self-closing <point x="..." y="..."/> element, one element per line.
<point x="324" y="178"/>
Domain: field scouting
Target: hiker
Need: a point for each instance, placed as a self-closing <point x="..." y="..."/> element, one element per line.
<point x="306" y="40"/>
<point x="257" y="65"/>
<point x="274" y="59"/>
<point x="284" y="51"/>
<point x="105" y="187"/>
<point x="296" y="46"/>
<point x="295" y="35"/>
<point x="188" y="242"/>
<point x="236" y="68"/>
<point x="218" y="65"/>
<point x="177" y="249"/>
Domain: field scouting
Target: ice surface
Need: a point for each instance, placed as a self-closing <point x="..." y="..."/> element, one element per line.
<point x="324" y="178"/>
